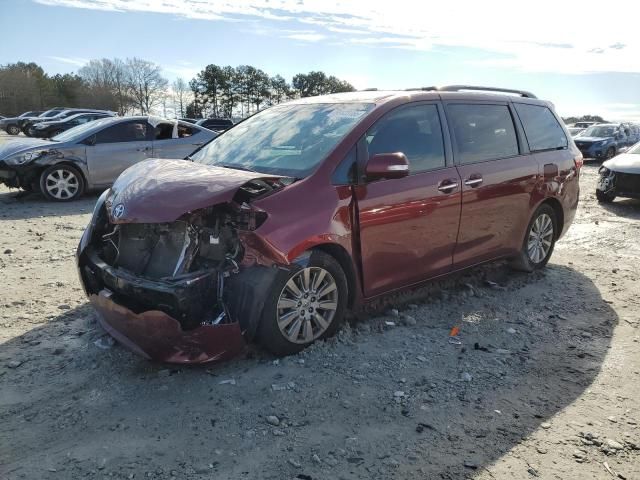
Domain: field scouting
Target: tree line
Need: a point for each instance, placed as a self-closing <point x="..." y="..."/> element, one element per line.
<point x="222" y="91"/>
<point x="134" y="85"/>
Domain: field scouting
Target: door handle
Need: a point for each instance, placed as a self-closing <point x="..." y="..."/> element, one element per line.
<point x="473" y="181"/>
<point x="447" y="186"/>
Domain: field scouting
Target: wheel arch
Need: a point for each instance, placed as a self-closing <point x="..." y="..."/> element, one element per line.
<point x="555" y="204"/>
<point x="43" y="166"/>
<point x="340" y="254"/>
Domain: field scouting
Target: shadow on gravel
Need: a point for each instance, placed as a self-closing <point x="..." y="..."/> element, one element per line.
<point x="624" y="207"/>
<point x="16" y="204"/>
<point x="375" y="402"/>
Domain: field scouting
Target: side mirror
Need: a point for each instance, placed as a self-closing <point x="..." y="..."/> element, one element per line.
<point x="387" y="166"/>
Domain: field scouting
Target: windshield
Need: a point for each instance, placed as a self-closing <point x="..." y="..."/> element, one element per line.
<point x="288" y="140"/>
<point x="598" y="131"/>
<point x="79" y="133"/>
<point x="635" y="149"/>
<point x="49" y="113"/>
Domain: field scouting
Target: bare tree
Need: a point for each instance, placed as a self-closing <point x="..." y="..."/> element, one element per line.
<point x="181" y="95"/>
<point x="146" y="84"/>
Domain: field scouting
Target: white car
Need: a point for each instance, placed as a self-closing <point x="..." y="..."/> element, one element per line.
<point x="620" y="176"/>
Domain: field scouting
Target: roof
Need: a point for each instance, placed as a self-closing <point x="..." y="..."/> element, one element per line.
<point x="428" y="93"/>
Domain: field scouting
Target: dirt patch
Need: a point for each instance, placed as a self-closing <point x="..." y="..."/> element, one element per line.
<point x="545" y="383"/>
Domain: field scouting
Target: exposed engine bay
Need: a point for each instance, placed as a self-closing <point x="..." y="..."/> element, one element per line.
<point x="178" y="267"/>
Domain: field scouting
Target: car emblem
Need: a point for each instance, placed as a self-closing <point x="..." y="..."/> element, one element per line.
<point x="118" y="210"/>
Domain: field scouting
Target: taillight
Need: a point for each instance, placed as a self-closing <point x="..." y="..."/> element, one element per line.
<point x="578" y="160"/>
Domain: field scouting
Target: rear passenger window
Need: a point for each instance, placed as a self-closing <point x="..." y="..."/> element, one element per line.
<point x="413" y="130"/>
<point x="541" y="127"/>
<point x="483" y="132"/>
<point x="123" y="132"/>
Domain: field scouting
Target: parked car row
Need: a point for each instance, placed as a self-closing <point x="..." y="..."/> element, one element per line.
<point x="92" y="154"/>
<point x="26" y="122"/>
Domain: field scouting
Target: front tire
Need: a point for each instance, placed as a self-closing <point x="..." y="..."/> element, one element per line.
<point x="605" y="197"/>
<point x="62" y="183"/>
<point x="539" y="240"/>
<point x="13" y="130"/>
<point x="304" y="305"/>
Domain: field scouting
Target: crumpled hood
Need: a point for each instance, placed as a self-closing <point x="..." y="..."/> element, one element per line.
<point x="624" y="163"/>
<point x="591" y="139"/>
<point x="159" y="191"/>
<point x="13" y="146"/>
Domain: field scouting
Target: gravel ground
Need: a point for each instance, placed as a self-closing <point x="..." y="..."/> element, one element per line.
<point x="545" y="383"/>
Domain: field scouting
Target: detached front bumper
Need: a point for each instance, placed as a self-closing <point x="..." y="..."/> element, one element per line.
<point x="122" y="302"/>
<point x="157" y="336"/>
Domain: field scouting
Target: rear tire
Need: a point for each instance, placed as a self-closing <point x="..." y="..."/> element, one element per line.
<point x="605" y="197"/>
<point x="611" y="152"/>
<point x="13" y="130"/>
<point x="539" y="241"/>
<point x="304" y="305"/>
<point x="62" y="183"/>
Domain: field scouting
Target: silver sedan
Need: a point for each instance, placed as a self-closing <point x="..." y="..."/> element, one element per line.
<point x="93" y="155"/>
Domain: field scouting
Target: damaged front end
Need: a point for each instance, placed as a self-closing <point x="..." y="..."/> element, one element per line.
<point x="181" y="291"/>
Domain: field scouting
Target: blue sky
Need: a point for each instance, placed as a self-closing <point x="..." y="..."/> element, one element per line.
<point x="539" y="46"/>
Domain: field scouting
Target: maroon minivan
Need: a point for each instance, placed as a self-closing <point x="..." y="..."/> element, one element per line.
<point x="307" y="209"/>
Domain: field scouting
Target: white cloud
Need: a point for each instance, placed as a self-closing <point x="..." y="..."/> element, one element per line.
<point x="547" y="35"/>
<point x="77" y="61"/>
<point x="307" y="37"/>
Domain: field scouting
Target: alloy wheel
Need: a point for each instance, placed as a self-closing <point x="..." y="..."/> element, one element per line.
<point x="307" y="304"/>
<point x="62" y="184"/>
<point x="13" y="130"/>
<point x="540" y="238"/>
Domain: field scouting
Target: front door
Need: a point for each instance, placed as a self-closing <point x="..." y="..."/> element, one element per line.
<point x="497" y="181"/>
<point x="176" y="141"/>
<point x="408" y="226"/>
<point x="116" y="148"/>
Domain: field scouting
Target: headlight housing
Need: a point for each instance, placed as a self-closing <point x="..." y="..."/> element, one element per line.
<point x="25" y="157"/>
<point x="604" y="171"/>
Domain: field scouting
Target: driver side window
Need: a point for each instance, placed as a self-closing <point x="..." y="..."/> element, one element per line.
<point x="123" y="132"/>
<point x="414" y="130"/>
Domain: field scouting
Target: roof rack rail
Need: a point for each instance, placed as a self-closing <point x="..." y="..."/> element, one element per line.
<point x="458" y="88"/>
<point x="423" y="89"/>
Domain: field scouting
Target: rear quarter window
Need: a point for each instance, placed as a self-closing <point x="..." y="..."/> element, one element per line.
<point x="482" y="132"/>
<point x="541" y="128"/>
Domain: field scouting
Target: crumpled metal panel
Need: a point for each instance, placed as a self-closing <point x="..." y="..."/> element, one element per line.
<point x="157" y="336"/>
<point x="159" y="191"/>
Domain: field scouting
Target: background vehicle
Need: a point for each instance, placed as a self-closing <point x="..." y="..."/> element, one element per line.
<point x="575" y="131"/>
<point x="620" y="176"/>
<point x="216" y="124"/>
<point x="189" y="120"/>
<point x="29" y="123"/>
<point x="11" y="125"/>
<point x="312" y="207"/>
<point x="51" y="128"/>
<point x="92" y="155"/>
<point x="585" y="124"/>
<point x="602" y="141"/>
